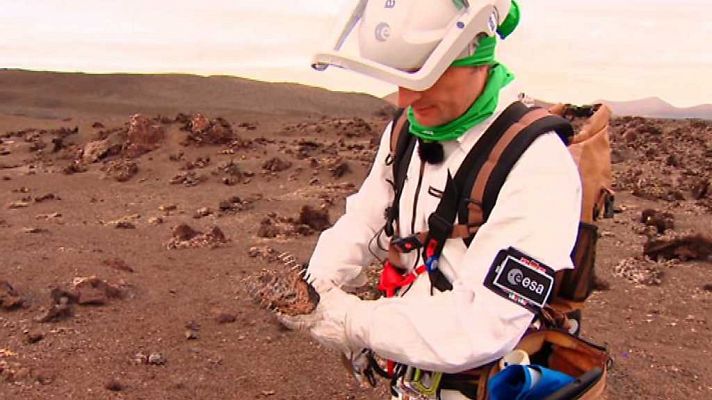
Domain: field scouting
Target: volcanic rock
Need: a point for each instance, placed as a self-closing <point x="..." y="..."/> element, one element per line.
<point x="9" y="297"/>
<point x="184" y="232"/>
<point x="122" y="170"/>
<point x="60" y="307"/>
<point x="307" y="148"/>
<point x="230" y="168"/>
<point x="264" y="252"/>
<point x="340" y="169"/>
<point x="114" y="385"/>
<point x="92" y="290"/>
<point x="204" y="131"/>
<point x="276" y="164"/>
<point x="118" y="264"/>
<point x="662" y="221"/>
<point x="202" y="212"/>
<point x="639" y="271"/>
<point x="144" y="135"/>
<point x="225" y="318"/>
<point x="315" y="219"/>
<point x="284" y="290"/>
<point x="186" y="237"/>
<point x="234" y="204"/>
<point x="157" y="359"/>
<point x="200" y="162"/>
<point x="124" y="222"/>
<point x="33" y="337"/>
<point x="94" y="151"/>
<point x="18" y="204"/>
<point x="701" y="189"/>
<point x="267" y="229"/>
<point x="45" y="197"/>
<point x="100" y="149"/>
<point x="688" y="247"/>
<point x="188" y="178"/>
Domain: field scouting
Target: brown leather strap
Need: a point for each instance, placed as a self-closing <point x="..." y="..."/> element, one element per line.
<point x="395" y="132"/>
<point x="478" y="189"/>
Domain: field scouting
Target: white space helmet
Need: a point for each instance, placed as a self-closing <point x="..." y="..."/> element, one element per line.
<point x="410" y="43"/>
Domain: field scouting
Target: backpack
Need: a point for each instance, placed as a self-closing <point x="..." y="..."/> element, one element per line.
<point x="471" y="194"/>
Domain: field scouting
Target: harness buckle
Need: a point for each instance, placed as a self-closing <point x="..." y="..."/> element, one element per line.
<point x="407" y="244"/>
<point x="418" y="384"/>
<point x="439" y="227"/>
<point x="439" y="230"/>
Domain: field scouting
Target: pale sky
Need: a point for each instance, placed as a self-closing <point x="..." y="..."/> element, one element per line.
<point x="564" y="50"/>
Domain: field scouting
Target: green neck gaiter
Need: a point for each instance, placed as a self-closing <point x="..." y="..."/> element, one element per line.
<point x="483" y="107"/>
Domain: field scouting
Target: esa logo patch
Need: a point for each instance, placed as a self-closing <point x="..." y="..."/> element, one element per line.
<point x="382" y="32"/>
<point x="521" y="279"/>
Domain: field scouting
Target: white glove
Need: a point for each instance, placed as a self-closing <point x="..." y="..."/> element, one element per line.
<point x="327" y="324"/>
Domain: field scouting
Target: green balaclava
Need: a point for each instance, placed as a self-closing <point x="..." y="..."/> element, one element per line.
<point x="486" y="103"/>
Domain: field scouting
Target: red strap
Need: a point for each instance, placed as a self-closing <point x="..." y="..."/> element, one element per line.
<point x="392" y="280"/>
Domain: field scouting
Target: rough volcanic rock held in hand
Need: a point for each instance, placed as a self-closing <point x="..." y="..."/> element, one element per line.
<point x="284" y="290"/>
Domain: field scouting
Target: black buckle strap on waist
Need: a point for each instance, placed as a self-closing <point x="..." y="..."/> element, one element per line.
<point x="439" y="230"/>
<point x="407" y="244"/>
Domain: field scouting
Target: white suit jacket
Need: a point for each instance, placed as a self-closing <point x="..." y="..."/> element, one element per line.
<point x="537" y="212"/>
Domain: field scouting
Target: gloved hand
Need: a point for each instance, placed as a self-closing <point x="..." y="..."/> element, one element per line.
<point x="327" y="324"/>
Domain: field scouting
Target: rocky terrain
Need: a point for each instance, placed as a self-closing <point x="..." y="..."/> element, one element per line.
<point x="127" y="234"/>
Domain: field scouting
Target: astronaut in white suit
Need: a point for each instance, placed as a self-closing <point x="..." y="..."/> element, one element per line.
<point x="440" y="54"/>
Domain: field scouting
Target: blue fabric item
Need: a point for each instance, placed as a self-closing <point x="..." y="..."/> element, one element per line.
<point x="515" y="383"/>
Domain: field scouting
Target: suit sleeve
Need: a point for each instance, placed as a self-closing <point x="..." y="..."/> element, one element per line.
<point x="537" y="212"/>
<point x="343" y="250"/>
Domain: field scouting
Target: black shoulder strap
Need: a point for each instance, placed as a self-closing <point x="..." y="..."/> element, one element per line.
<point x="478" y="155"/>
<point x="399" y="161"/>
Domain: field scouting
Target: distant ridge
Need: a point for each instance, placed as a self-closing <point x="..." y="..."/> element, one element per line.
<point x="653" y="107"/>
<point x="658" y="108"/>
<point x="54" y="93"/>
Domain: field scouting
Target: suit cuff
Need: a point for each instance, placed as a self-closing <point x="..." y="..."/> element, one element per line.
<point x="358" y="322"/>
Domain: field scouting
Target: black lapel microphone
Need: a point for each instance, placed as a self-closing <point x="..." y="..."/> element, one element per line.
<point x="430" y="152"/>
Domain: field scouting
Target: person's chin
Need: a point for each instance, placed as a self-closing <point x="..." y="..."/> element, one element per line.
<point x="427" y="116"/>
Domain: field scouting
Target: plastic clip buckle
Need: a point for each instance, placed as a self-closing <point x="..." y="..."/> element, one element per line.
<point x="432" y="263"/>
<point x="407" y="244"/>
<point x="439" y="227"/>
<point x="418" y="384"/>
